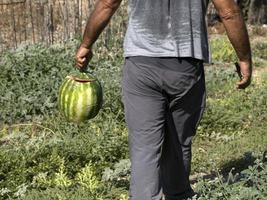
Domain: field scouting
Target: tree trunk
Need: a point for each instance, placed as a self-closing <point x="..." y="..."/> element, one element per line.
<point x="254" y="12"/>
<point x="257" y="12"/>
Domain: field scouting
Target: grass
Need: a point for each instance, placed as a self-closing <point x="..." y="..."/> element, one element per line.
<point x="223" y="52"/>
<point x="234" y="122"/>
<point x="42" y="156"/>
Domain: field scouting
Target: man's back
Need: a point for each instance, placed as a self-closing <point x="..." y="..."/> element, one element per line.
<point x="164" y="98"/>
<point x="170" y="28"/>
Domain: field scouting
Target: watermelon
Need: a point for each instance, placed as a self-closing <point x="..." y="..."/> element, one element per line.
<point x="80" y="97"/>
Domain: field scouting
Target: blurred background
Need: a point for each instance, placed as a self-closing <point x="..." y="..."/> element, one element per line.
<point x="44" y="157"/>
<point x="51" y="21"/>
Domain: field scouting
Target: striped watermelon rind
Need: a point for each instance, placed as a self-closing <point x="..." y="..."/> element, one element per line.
<point x="80" y="97"/>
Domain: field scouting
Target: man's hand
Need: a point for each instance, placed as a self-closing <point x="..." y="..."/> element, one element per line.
<point x="97" y="21"/>
<point x="83" y="56"/>
<point x="244" y="70"/>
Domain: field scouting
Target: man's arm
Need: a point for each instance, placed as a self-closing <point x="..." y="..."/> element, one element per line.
<point x="97" y="21"/>
<point x="236" y="30"/>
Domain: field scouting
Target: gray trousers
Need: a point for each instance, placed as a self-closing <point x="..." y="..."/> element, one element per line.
<point x="164" y="100"/>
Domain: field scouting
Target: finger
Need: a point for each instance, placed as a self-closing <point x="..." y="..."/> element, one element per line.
<point x="243" y="83"/>
<point x="238" y="70"/>
<point x="80" y="62"/>
<point x="80" y="59"/>
<point x="78" y="66"/>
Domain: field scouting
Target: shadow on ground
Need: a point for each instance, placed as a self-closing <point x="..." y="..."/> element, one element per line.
<point x="234" y="166"/>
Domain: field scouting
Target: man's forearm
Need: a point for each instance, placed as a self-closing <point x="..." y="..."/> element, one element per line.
<point x="98" y="20"/>
<point x="234" y="24"/>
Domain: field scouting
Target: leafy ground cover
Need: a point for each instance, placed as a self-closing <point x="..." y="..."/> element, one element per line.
<point x="44" y="157"/>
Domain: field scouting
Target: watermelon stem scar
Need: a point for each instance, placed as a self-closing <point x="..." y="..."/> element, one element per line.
<point x="80" y="80"/>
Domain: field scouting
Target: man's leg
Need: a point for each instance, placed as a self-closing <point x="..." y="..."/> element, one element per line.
<point x="186" y="106"/>
<point x="145" y="110"/>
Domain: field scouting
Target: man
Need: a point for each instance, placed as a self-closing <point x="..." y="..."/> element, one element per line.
<point x="164" y="85"/>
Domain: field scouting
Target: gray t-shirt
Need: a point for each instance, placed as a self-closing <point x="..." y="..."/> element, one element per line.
<point x="167" y="28"/>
